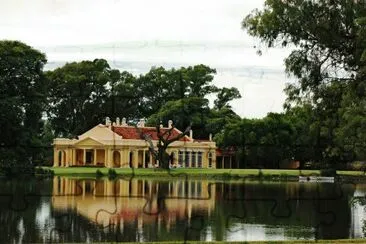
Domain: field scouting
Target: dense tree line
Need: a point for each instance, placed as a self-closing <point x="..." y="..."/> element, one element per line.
<point x="325" y="112"/>
<point x="324" y="119"/>
<point x="38" y="105"/>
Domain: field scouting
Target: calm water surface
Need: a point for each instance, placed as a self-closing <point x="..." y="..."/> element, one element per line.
<point x="71" y="210"/>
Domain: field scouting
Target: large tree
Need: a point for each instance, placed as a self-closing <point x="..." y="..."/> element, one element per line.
<point x="328" y="60"/>
<point x="159" y="86"/>
<point x="259" y="142"/>
<point x="81" y="94"/>
<point x="185" y="112"/>
<point x="22" y="101"/>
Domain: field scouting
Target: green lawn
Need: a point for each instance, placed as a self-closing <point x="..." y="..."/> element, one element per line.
<point x="81" y="171"/>
<point x="143" y="172"/>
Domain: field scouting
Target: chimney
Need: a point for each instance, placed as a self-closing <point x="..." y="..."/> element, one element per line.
<point x="210" y="137"/>
<point x="107" y="121"/>
<point x="124" y="123"/>
<point x="191" y="134"/>
<point x="170" y="124"/>
<point x="118" y="122"/>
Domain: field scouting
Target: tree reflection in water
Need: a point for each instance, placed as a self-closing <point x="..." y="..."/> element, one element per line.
<point x="151" y="210"/>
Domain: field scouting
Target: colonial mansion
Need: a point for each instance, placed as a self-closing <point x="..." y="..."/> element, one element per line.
<point x="119" y="145"/>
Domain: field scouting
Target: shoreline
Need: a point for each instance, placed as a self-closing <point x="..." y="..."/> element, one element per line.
<point x="209" y="174"/>
<point x="256" y="242"/>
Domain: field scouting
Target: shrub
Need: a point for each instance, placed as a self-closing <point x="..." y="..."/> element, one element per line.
<point x="328" y="172"/>
<point x="112" y="173"/>
<point x="44" y="172"/>
<point x="98" y="173"/>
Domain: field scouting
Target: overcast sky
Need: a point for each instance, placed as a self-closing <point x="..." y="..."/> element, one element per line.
<point x="134" y="35"/>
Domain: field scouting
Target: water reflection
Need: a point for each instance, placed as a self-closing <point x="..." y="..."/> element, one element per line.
<point x="144" y="201"/>
<point x="74" y="210"/>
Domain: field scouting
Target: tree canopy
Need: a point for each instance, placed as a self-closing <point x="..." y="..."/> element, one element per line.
<point x="22" y="101"/>
<point x="328" y="60"/>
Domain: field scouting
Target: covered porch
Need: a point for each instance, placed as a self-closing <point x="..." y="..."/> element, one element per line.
<point x="104" y="157"/>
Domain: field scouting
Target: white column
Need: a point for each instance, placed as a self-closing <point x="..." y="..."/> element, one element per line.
<point x="184" y="159"/>
<point x="135" y="161"/>
<point x="84" y="156"/>
<point x="176" y="158"/>
<point x="197" y="159"/>
<point x="62" y="158"/>
<point x="55" y="158"/>
<point x="143" y="158"/>
<point x="190" y="159"/>
<point x="95" y="157"/>
<point x="71" y="157"/>
<point x="74" y="157"/>
<point x="67" y="157"/>
<point x="151" y="159"/>
<point x="121" y="158"/>
<point x="106" y="157"/>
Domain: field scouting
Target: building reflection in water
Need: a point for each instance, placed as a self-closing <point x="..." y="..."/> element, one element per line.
<point x="121" y="201"/>
<point x="229" y="211"/>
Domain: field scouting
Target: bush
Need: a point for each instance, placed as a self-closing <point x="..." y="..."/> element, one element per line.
<point x="98" y="173"/>
<point x="328" y="172"/>
<point x="44" y="172"/>
<point x="112" y="174"/>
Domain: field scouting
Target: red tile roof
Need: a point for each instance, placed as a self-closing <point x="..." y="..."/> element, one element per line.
<point x="129" y="132"/>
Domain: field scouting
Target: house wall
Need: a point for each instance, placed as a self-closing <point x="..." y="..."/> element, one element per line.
<point x="100" y="159"/>
<point x="103" y="141"/>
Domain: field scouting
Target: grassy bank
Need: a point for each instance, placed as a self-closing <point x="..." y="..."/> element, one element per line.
<point x="269" y="174"/>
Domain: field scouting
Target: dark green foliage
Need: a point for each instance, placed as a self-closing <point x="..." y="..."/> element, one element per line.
<point x="112" y="174"/>
<point x="328" y="61"/>
<point x="99" y="173"/>
<point x="77" y="95"/>
<point x="328" y="172"/>
<point x="186" y="111"/>
<point x="160" y="86"/>
<point x="260" y="142"/>
<point x="22" y="101"/>
<point x="224" y="96"/>
<point x="44" y="172"/>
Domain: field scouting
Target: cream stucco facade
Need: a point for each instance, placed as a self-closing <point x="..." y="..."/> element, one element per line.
<point x="118" y="146"/>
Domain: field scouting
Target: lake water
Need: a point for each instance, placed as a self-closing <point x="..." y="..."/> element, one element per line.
<point x="73" y="210"/>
